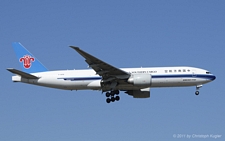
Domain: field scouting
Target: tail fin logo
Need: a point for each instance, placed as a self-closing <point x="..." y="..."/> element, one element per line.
<point x="27" y="61"/>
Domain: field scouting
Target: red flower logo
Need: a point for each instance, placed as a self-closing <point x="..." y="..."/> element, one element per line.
<point x="27" y="59"/>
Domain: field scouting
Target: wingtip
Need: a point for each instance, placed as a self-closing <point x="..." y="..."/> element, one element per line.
<point x="74" y="47"/>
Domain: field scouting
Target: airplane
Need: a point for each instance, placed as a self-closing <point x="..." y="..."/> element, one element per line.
<point x="107" y="78"/>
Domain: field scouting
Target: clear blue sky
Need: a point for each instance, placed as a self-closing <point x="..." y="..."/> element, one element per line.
<point x="124" y="33"/>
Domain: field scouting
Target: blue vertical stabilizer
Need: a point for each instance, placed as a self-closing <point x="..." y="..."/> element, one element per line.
<point x="28" y="62"/>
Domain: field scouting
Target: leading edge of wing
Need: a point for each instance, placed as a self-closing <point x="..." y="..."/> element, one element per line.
<point x="101" y="68"/>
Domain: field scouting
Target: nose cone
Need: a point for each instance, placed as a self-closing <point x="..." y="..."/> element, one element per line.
<point x="213" y="77"/>
<point x="210" y="78"/>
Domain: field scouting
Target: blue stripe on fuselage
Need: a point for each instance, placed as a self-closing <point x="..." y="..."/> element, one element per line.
<point x="203" y="76"/>
<point x="81" y="78"/>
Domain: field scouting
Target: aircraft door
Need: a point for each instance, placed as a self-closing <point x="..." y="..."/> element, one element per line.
<point x="194" y="74"/>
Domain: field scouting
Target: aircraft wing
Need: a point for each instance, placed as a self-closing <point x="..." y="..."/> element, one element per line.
<point x="107" y="71"/>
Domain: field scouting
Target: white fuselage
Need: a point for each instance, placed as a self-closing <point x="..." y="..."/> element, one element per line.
<point x="88" y="79"/>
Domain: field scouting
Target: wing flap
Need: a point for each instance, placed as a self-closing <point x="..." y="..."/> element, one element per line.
<point x="22" y="74"/>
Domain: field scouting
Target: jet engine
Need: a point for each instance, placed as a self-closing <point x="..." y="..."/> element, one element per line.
<point x="140" y="79"/>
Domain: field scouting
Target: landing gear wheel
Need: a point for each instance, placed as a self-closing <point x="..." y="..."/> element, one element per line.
<point x="197" y="92"/>
<point x="108" y="100"/>
<point x="117" y="98"/>
<point x="110" y="96"/>
<point x="107" y="94"/>
<point x="112" y="99"/>
<point x="116" y="92"/>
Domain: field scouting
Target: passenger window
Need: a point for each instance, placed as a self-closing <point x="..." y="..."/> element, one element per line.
<point x="184" y="70"/>
<point x="170" y="71"/>
<point x="166" y="71"/>
<point x="179" y="70"/>
<point x="175" y="70"/>
<point x="188" y="70"/>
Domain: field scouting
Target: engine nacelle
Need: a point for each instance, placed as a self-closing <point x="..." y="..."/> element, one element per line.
<point x="140" y="79"/>
<point x="142" y="93"/>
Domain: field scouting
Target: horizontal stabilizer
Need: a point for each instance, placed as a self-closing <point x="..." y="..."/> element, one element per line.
<point x="22" y="74"/>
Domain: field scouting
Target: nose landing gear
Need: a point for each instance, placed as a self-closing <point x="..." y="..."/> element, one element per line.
<point x="197" y="89"/>
<point x="110" y="96"/>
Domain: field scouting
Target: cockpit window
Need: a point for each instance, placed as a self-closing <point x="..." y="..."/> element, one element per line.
<point x="208" y="72"/>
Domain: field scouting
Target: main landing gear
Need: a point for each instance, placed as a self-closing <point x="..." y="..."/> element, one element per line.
<point x="110" y="96"/>
<point x="197" y="89"/>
